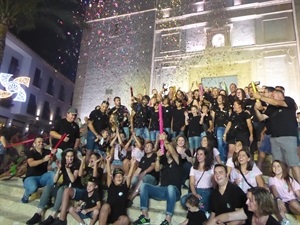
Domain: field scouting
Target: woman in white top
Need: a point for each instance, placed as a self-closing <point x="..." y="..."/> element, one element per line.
<point x="208" y="144"/>
<point x="245" y="174"/>
<point x="285" y="189"/>
<point x="201" y="178"/>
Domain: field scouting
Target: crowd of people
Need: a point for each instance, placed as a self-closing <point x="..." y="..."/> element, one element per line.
<point x="207" y="146"/>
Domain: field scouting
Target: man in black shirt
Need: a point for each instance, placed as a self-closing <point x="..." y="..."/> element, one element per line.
<point x="169" y="190"/>
<point x="98" y="121"/>
<point x="283" y="129"/>
<point x="69" y="127"/>
<point x="122" y="114"/>
<point x="140" y="118"/>
<point x="226" y="197"/>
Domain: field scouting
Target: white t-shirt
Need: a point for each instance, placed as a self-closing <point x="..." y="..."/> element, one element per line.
<point x="250" y="176"/>
<point x="216" y="153"/>
<point x="229" y="162"/>
<point x="205" y="181"/>
<point x="282" y="188"/>
<point x="137" y="153"/>
<point x="118" y="149"/>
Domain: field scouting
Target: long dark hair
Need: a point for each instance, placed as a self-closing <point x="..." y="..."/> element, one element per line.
<point x="250" y="164"/>
<point x="285" y="173"/>
<point x="63" y="156"/>
<point x="209" y="160"/>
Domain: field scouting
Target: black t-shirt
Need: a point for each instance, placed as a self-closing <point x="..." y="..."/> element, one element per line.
<point x="167" y="115"/>
<point x="91" y="201"/>
<point x="239" y="122"/>
<point x="121" y="112"/>
<point x="206" y="120"/>
<point x="178" y="119"/>
<point x="249" y="105"/>
<point x="269" y="112"/>
<point x="271" y="220"/>
<point x="66" y="180"/>
<point x="100" y="120"/>
<point x="64" y="127"/>
<point x="168" y="171"/>
<point x="39" y="169"/>
<point x="195" y="128"/>
<point x="88" y="174"/>
<point x="146" y="162"/>
<point x="196" y="218"/>
<point x="142" y="115"/>
<point x="226" y="202"/>
<point x="154" y="124"/>
<point x="283" y="120"/>
<point x="117" y="199"/>
<point x="221" y="116"/>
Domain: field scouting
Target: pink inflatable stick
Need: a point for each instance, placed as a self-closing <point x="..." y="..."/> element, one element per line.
<point x="161" y="125"/>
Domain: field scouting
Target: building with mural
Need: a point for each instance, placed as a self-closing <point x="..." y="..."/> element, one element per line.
<point x="150" y="43"/>
<point x="32" y="94"/>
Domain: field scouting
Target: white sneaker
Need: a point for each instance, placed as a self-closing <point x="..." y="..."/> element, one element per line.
<point x="285" y="222"/>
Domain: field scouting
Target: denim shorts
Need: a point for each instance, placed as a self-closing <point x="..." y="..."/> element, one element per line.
<point x="265" y="144"/>
<point x="78" y="193"/>
<point x="117" y="162"/>
<point x="89" y="215"/>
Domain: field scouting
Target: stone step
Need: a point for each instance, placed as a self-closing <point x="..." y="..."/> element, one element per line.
<point x="13" y="212"/>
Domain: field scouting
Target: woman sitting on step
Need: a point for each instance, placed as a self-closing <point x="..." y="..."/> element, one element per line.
<point x="245" y="173"/>
<point x="69" y="169"/>
<point x="285" y="189"/>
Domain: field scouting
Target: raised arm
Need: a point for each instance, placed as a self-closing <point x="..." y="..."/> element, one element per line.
<point x="108" y="170"/>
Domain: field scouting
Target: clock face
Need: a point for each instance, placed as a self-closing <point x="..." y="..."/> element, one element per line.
<point x="218" y="40"/>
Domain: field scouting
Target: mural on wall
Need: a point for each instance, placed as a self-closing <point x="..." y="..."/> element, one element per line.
<point x="13" y="87"/>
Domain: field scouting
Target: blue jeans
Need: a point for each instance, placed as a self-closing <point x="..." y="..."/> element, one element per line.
<point x="194" y="142"/>
<point x="149" y="179"/>
<point x="204" y="201"/>
<point x="168" y="193"/>
<point x="126" y="131"/>
<point x="142" y="132"/>
<point x="31" y="184"/>
<point x="90" y="141"/>
<point x="153" y="135"/>
<point x="222" y="146"/>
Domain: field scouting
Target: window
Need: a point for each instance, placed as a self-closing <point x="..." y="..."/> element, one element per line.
<point x="61" y="95"/>
<point x="57" y="114"/>
<point x="31" y="107"/>
<point x="37" y="81"/>
<point x="14" y="67"/>
<point x="46" y="111"/>
<point x="50" y="88"/>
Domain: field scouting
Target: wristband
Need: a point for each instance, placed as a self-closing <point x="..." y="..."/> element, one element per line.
<point x="278" y="198"/>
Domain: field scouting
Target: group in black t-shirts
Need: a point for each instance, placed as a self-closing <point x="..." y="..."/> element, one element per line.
<point x="160" y="174"/>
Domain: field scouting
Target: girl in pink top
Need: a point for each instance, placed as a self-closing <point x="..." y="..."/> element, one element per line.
<point x="285" y="189"/>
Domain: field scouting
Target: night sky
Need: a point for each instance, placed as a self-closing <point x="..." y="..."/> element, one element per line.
<point x="60" y="52"/>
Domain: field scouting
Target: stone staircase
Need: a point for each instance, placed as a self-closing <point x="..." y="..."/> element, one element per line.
<point x="13" y="212"/>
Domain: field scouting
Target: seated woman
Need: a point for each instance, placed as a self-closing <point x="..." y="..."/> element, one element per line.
<point x="285" y="189"/>
<point x="258" y="210"/>
<point x="69" y="169"/>
<point x="201" y="176"/>
<point x="245" y="173"/>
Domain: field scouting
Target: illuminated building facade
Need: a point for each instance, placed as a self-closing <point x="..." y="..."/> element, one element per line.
<point x="151" y="43"/>
<point x="32" y="93"/>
